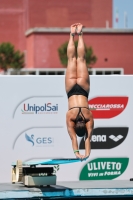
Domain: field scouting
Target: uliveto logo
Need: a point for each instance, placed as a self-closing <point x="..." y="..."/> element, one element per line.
<point x="106" y="137"/>
<point x="39" y="141"/>
<point x="104" y="169"/>
<point x="47" y="108"/>
<point x="107" y="107"/>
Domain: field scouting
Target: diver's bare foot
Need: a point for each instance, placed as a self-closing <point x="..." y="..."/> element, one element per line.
<point x="79" y="28"/>
<point x="73" y="29"/>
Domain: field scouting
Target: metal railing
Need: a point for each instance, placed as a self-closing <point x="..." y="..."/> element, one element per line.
<point x="61" y="71"/>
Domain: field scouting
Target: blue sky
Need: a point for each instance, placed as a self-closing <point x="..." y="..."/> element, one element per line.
<point x="123" y="8"/>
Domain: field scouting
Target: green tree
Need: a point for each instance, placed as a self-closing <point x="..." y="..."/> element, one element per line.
<point x="90" y="57"/>
<point x="10" y="58"/>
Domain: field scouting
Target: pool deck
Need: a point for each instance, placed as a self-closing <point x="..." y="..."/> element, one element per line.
<point x="62" y="190"/>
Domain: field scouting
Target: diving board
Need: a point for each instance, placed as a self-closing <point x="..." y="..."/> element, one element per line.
<point x="54" y="161"/>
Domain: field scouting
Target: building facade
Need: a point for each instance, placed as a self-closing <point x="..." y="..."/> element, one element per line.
<point x="38" y="28"/>
<point x="113" y="48"/>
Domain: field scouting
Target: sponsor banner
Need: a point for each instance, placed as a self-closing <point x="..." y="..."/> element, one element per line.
<point x="104" y="169"/>
<point x="37" y="137"/>
<point x="107" y="107"/>
<point x="106" y="137"/>
<point x="40" y="142"/>
<point x="33" y="126"/>
<point x="39" y="106"/>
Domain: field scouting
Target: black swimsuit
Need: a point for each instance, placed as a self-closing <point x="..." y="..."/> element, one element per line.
<point x="77" y="90"/>
<point x="81" y="114"/>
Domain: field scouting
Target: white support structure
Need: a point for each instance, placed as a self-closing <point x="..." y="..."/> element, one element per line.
<point x="39" y="180"/>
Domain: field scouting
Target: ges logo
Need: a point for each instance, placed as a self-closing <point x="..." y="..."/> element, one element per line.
<point x="39" y="141"/>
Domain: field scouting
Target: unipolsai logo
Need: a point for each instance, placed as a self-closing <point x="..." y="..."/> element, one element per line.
<point x="106" y="137"/>
<point x="46" y="108"/>
<point x="107" y="107"/>
<point x="104" y="169"/>
<point x="39" y="141"/>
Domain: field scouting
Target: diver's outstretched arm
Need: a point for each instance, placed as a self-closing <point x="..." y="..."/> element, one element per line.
<point x="89" y="126"/>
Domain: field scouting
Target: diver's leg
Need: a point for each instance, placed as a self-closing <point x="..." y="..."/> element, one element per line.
<point x="71" y="71"/>
<point x="82" y="70"/>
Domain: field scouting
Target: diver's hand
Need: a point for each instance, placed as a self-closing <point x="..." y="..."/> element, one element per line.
<point x="84" y="157"/>
<point x="78" y="155"/>
<point x="87" y="156"/>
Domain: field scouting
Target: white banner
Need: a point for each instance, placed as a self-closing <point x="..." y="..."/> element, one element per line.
<point x="33" y="125"/>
